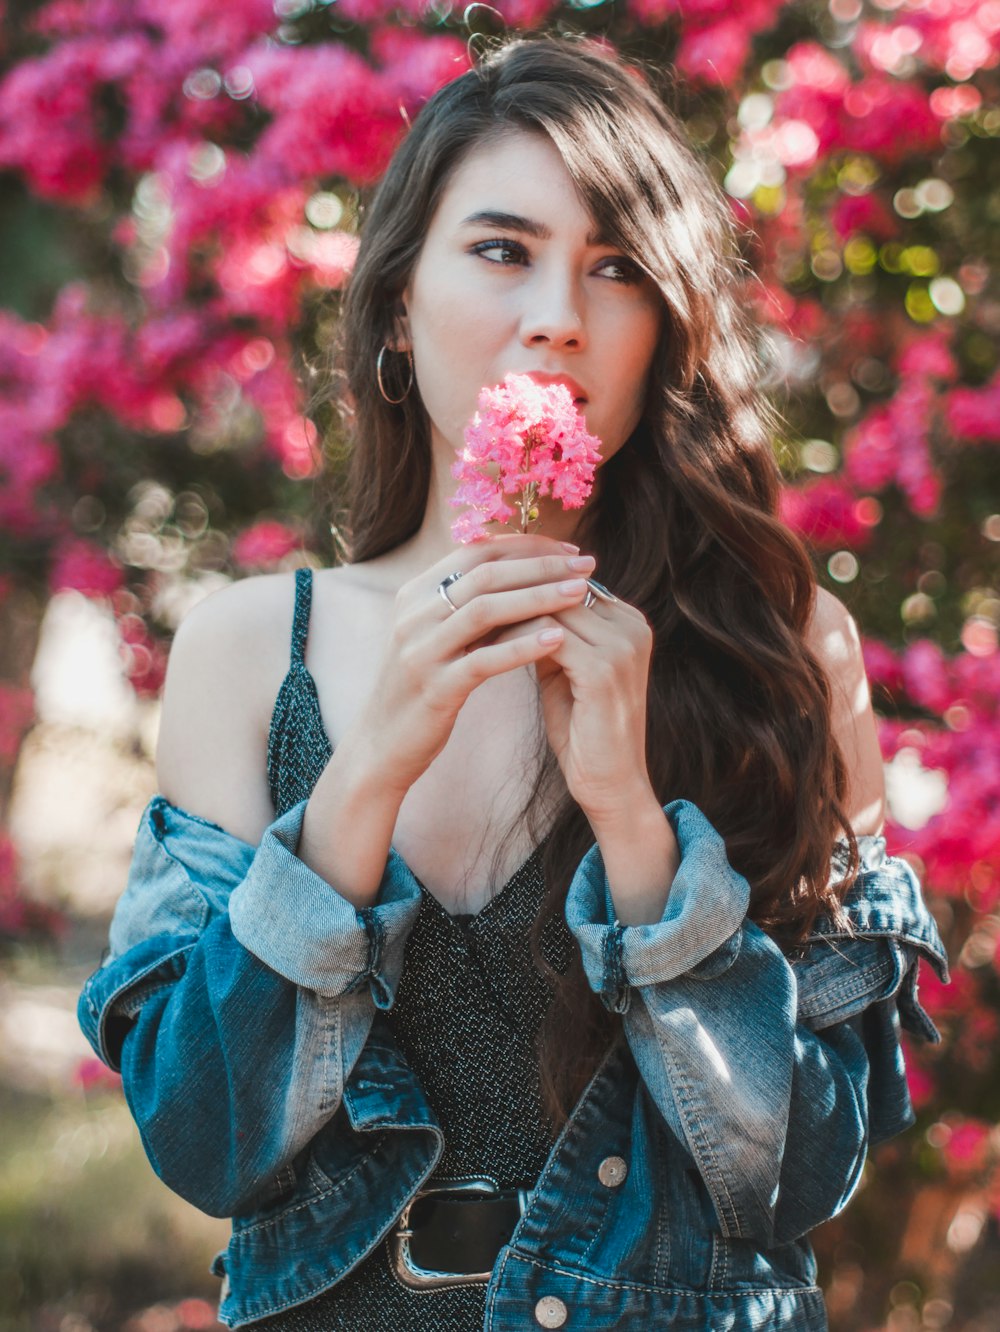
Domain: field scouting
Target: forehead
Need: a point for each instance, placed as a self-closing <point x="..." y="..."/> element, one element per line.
<point x="519" y="173"/>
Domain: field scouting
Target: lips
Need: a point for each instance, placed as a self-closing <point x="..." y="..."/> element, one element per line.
<point x="577" y="391"/>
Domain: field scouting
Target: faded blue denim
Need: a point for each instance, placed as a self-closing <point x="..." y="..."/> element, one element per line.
<point x="242" y="1001"/>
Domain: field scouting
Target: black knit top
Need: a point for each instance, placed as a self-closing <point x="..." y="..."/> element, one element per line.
<point x="466" y="1014"/>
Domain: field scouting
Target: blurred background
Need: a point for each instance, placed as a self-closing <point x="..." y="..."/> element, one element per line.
<point x="180" y="192"/>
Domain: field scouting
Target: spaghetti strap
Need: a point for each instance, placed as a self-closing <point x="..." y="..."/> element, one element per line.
<point x="300" y="623"/>
<point x="298" y="746"/>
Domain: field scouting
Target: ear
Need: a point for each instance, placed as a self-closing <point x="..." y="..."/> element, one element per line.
<point x="399" y="340"/>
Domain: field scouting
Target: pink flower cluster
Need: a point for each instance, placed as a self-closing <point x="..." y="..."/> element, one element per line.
<point x="827" y="513"/>
<point x="19" y="915"/>
<point x="715" y="38"/>
<point x="952" y="37"/>
<point x="56" y="112"/>
<point x="973" y="414"/>
<point x="265" y="544"/>
<point x="865" y="213"/>
<point x="91" y="1074"/>
<point x="84" y="567"/>
<point x="960" y="845"/>
<point x="957" y="855"/>
<point x="884" y="112"/>
<point x="184" y="82"/>
<point x="528" y="440"/>
<point x="892" y="442"/>
<point x="821" y="108"/>
<point x="143" y="656"/>
<point x="17" y="712"/>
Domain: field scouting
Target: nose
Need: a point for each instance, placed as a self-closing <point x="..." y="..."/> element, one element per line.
<point x="551" y="311"/>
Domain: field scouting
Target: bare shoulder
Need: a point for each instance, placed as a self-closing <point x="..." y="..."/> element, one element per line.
<point x="832" y="636"/>
<point x="228" y="659"/>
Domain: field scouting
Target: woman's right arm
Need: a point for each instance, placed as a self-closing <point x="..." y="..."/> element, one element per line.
<point x="240" y="986"/>
<point x="248" y="954"/>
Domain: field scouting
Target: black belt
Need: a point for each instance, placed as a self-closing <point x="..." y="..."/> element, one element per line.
<point x="451" y="1234"/>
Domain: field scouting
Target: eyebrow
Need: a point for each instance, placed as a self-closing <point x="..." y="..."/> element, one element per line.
<point x="491" y="217"/>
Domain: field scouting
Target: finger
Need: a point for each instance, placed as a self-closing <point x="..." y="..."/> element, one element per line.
<point x="567" y="652"/>
<point x="473" y="668"/>
<point x="621" y="617"/>
<point x="480" y="617"/>
<point x="512" y="545"/>
<point x="504" y="574"/>
<point x="591" y="640"/>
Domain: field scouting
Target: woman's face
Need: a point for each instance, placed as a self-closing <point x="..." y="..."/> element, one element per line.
<point x="511" y="278"/>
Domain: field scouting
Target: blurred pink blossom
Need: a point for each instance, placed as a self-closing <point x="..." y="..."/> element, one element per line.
<point x="882" y="665"/>
<point x="974" y="413"/>
<point x="890" y="119"/>
<point x="866" y="213"/>
<point x="265" y="544"/>
<point x="928" y="354"/>
<point x="892" y="442"/>
<point x="918" y="1079"/>
<point x="19" y="915"/>
<point x="824" y="512"/>
<point x="715" y="54"/>
<point x="93" y="1075"/>
<point x="84" y="567"/>
<point x="17" y="712"/>
<point x="925" y="675"/>
<point x="966" y="1147"/>
<point x="143" y="657"/>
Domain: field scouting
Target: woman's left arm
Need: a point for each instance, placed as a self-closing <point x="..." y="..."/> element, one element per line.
<point x="776" y="1074"/>
<point x="593" y="691"/>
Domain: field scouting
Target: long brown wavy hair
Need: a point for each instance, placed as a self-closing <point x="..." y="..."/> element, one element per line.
<point x="683" y="520"/>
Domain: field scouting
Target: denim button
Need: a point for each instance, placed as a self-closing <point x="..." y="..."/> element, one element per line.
<point x="550" y="1312"/>
<point x="612" y="1171"/>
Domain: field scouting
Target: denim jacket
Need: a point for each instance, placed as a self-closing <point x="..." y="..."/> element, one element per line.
<point x="242" y="1000"/>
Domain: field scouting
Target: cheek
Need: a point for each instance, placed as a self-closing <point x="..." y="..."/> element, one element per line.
<point x="456" y="348"/>
<point x="636" y="345"/>
<point x="452" y="364"/>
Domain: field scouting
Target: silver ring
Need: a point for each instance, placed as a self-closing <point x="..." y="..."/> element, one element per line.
<point x="444" y="585"/>
<point x="597" y="592"/>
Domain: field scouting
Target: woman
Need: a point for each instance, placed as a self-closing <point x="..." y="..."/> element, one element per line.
<point x="525" y="954"/>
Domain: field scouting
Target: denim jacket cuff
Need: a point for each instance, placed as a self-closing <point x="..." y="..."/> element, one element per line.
<point x="302" y="928"/>
<point x="698" y="933"/>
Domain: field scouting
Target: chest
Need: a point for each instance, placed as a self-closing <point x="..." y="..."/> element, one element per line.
<point x="456" y="816"/>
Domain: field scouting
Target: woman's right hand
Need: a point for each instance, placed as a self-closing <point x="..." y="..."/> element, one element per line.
<point x="435" y="657"/>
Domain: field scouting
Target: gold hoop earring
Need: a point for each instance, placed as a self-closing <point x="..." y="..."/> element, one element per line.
<point x="381" y="385"/>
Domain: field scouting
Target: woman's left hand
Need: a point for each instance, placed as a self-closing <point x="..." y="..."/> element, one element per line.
<point x="593" y="695"/>
<point x="593" y="688"/>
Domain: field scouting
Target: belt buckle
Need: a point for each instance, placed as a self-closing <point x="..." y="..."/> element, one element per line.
<point x="423" y="1278"/>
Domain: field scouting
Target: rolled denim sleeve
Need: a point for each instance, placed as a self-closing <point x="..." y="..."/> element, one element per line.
<point x="301" y="928"/>
<point x="710" y="1007"/>
<point x="239" y="991"/>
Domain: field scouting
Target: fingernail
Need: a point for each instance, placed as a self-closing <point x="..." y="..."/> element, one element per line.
<point x="582" y="562"/>
<point x="568" y="545"/>
<point x="550" y="636"/>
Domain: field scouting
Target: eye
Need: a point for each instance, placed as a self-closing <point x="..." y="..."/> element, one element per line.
<point x="629" y="273"/>
<point x="510" y="247"/>
<point x="621" y="270"/>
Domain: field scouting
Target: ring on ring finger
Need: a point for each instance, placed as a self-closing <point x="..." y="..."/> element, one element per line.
<point x="597" y="592"/>
<point x="444" y="585"/>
